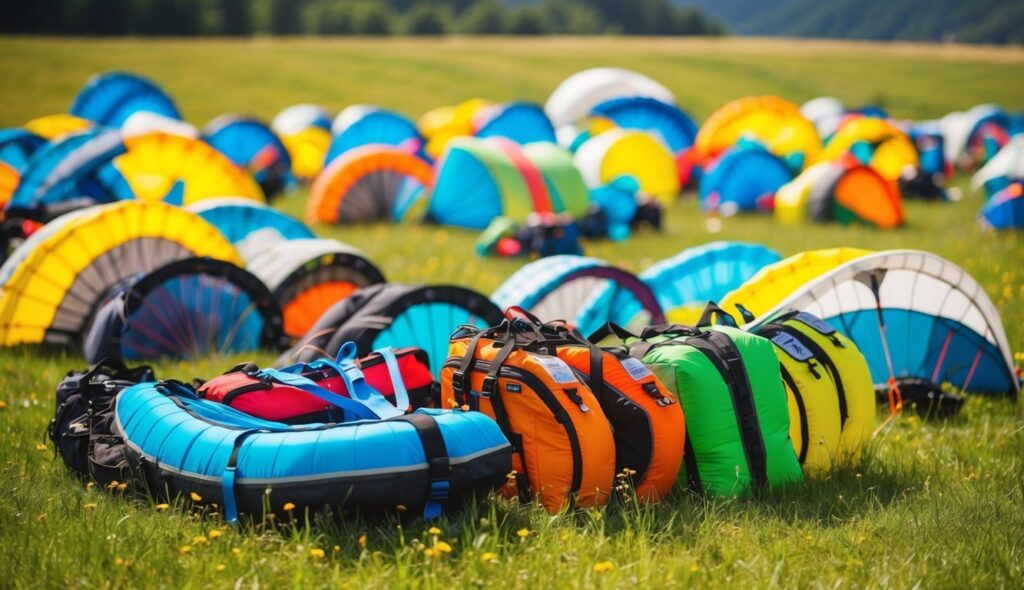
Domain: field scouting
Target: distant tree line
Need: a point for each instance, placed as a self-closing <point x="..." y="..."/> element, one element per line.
<point x="354" y="17"/>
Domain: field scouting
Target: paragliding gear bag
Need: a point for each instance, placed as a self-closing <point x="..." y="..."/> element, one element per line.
<point x="266" y="395"/>
<point x="647" y="420"/>
<point x="563" y="450"/>
<point x="81" y="428"/>
<point x="721" y="371"/>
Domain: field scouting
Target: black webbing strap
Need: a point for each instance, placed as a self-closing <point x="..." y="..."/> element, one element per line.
<point x="690" y="460"/>
<point x="460" y="378"/>
<point x="805" y="437"/>
<point x="438" y="463"/>
<point x="724" y="355"/>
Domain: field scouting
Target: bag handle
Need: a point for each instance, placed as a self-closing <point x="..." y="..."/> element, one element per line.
<point x="668" y="330"/>
<point x="711" y="310"/>
<point x="395" y="373"/>
<point x="611" y="329"/>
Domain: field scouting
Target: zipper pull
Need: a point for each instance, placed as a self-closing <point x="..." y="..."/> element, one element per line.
<point x="811" y="365"/>
<point x="836" y="341"/>
<point x="652" y="390"/>
<point x="576" y="399"/>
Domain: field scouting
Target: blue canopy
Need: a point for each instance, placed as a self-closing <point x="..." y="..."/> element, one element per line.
<point x="666" y="121"/>
<point x="110" y="98"/>
<point x="250" y="226"/>
<point x="746" y="176"/>
<point x="1005" y="210"/>
<point x="17" y="146"/>
<point x="252" y="145"/>
<point x="521" y="122"/>
<point x="366" y="125"/>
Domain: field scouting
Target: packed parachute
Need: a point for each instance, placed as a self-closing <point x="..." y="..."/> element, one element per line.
<point x="726" y="369"/>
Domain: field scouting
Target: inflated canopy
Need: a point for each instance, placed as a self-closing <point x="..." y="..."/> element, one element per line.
<point x="1005" y="209"/>
<point x="374" y="182"/>
<point x="106" y="166"/>
<point x="188" y="308"/>
<point x="580" y="92"/>
<point x="519" y="121"/>
<point x="914" y="315"/>
<point x="586" y="292"/>
<point x="360" y="125"/>
<point x="686" y="282"/>
<point x="744" y="178"/>
<point x="308" y="276"/>
<point x="52" y="127"/>
<point x="54" y="281"/>
<point x="777" y="281"/>
<point x="826" y="112"/>
<point x="998" y="172"/>
<point x="930" y="143"/>
<point x="875" y="142"/>
<point x="110" y="98"/>
<point x="974" y="136"/>
<point x="299" y="117"/>
<point x="253" y="146"/>
<point x="664" y="120"/>
<point x="249" y="225"/>
<point x="16" y="147"/>
<point x="774" y="122"/>
<point x="478" y="180"/>
<point x="842" y="191"/>
<point x="620" y="152"/>
<point x="441" y="125"/>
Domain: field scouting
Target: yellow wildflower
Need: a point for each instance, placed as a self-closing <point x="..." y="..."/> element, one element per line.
<point x="434" y="530"/>
<point x="185" y="549"/>
<point x="523" y="533"/>
<point x="316" y="553"/>
<point x="162" y="507"/>
<point x="488" y="557"/>
<point x="443" y="547"/>
<point x="336" y="549"/>
<point x="221" y="567"/>
<point x="214" y="534"/>
<point x="694" y="568"/>
<point x="90" y="506"/>
<point x="42" y="518"/>
<point x="400" y="508"/>
<point x="89" y="485"/>
<point x="3" y="404"/>
<point x="236" y="551"/>
<point x="198" y="540"/>
<point x="195" y="497"/>
<point x="431" y="552"/>
<point x="41" y="447"/>
<point x="122" y="487"/>
<point x="603" y="566"/>
<point x="289" y="506"/>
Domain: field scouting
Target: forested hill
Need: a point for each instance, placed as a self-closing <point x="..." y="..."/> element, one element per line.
<point x="973" y="21"/>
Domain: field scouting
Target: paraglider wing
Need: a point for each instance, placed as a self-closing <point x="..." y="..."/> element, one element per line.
<point x="110" y="98"/>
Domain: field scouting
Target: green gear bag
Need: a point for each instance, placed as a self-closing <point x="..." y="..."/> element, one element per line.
<point x="829" y="388"/>
<point x="730" y="387"/>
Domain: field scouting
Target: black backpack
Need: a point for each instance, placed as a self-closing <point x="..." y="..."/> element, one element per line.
<point x="82" y="425"/>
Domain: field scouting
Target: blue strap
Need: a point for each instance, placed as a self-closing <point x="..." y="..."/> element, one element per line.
<point x="397" y="383"/>
<point x="227" y="478"/>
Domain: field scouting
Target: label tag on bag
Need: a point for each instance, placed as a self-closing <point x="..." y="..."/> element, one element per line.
<point x="636" y="369"/>
<point x="814" y="322"/>
<point x="792" y="347"/>
<point x="556" y="367"/>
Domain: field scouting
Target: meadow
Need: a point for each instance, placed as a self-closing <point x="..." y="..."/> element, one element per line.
<point x="933" y="504"/>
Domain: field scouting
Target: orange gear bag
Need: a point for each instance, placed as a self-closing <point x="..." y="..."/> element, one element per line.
<point x="563" y="450"/>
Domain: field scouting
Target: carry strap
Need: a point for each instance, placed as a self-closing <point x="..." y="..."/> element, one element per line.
<point x="725" y="356"/>
<point x="438" y="462"/>
<point x="227" y="478"/>
<point x="397" y="383"/>
<point x="668" y="330"/>
<point x="711" y="310"/>
<point x="460" y="380"/>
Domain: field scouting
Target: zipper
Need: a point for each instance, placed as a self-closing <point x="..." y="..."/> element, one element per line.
<point x="549" y="399"/>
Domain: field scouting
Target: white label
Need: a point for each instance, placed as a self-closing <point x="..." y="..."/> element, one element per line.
<point x="635" y="368"/>
<point x="556" y="367"/>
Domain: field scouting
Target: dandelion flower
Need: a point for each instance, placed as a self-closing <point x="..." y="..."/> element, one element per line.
<point x="603" y="566"/>
<point x="185" y="549"/>
<point x="434" y="530"/>
<point x="289" y="506"/>
<point x="431" y="552"/>
<point x="362" y="541"/>
<point x="41" y="447"/>
<point x="214" y="534"/>
<point x="221" y="567"/>
<point x="89" y="485"/>
<point x="316" y="553"/>
<point x="198" y="540"/>
<point x="400" y="508"/>
<point x="3" y="404"/>
<point x="236" y="551"/>
<point x="443" y="547"/>
<point x="122" y="487"/>
<point x="694" y="568"/>
<point x="523" y="533"/>
<point x="162" y="507"/>
<point x="336" y="549"/>
<point x="488" y="557"/>
<point x="90" y="506"/>
<point x="195" y="497"/>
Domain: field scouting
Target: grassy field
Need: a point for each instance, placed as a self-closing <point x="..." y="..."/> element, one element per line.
<point x="935" y="505"/>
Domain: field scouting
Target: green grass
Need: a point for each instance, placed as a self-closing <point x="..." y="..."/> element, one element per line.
<point x="932" y="505"/>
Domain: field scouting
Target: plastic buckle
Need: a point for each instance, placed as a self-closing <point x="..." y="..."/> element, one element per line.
<point x="489" y="386"/>
<point x="458" y="381"/>
<point x="440" y="489"/>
